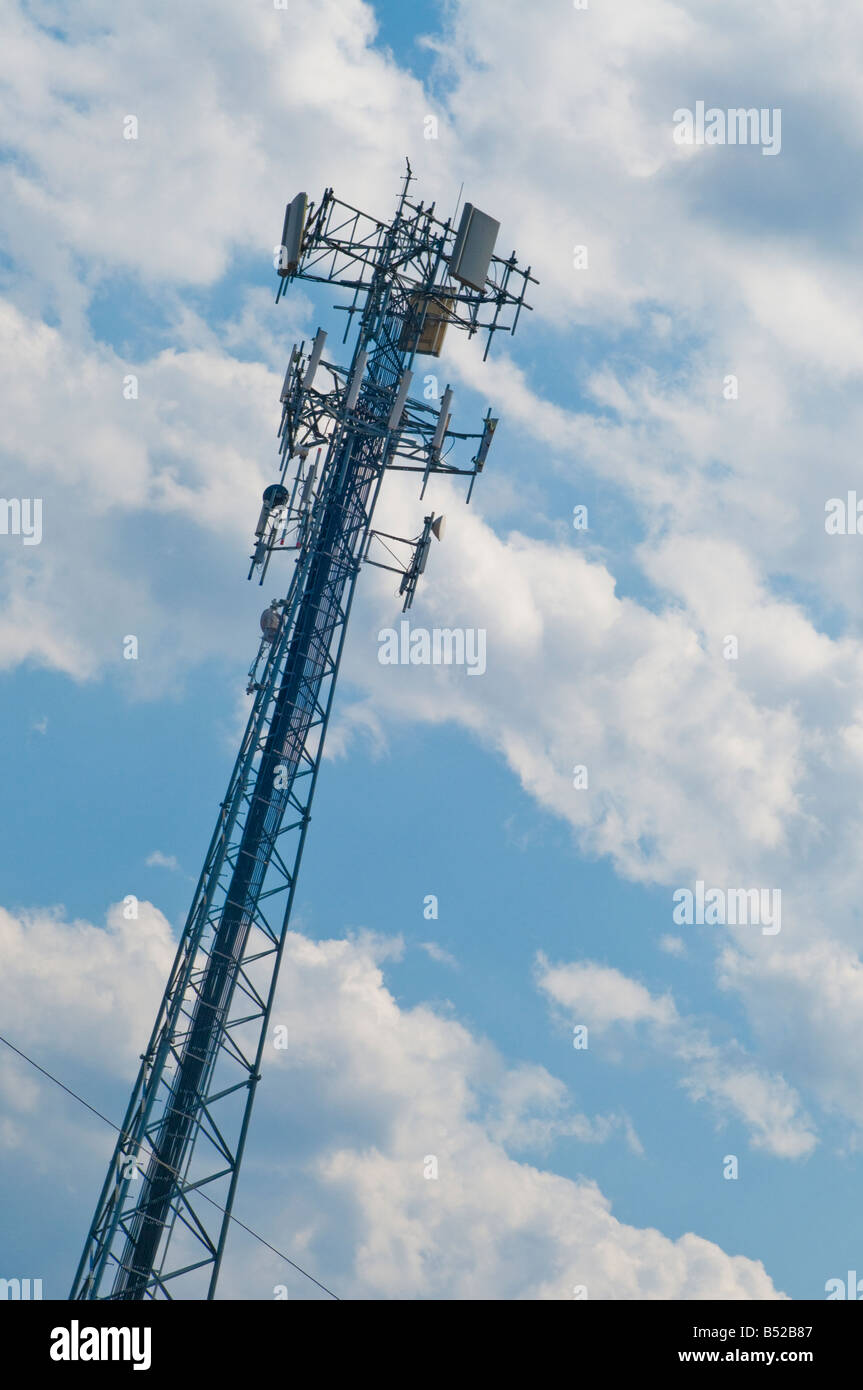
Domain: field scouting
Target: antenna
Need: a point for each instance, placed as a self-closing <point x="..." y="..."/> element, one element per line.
<point x="458" y="201"/>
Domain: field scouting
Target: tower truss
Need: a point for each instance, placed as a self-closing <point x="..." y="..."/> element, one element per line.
<point x="163" y="1215"/>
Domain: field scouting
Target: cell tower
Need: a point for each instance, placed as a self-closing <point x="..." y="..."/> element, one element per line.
<point x="164" y="1212"/>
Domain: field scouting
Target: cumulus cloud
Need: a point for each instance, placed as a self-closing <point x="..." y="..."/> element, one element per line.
<point x="806" y="1005"/>
<point x="350" y="1116"/>
<point x="96" y="988"/>
<point x="408" y="1086"/>
<point x="743" y="773"/>
<point x="606" y="1000"/>
<point x="263" y="82"/>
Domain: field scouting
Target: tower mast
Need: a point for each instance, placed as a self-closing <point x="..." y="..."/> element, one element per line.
<point x="163" y="1216"/>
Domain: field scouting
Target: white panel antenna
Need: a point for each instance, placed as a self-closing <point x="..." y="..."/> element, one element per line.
<point x="474" y="246"/>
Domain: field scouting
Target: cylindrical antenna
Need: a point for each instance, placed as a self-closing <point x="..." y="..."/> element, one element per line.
<point x="442" y="420"/>
<point x="356" y="379"/>
<point x="401" y="397"/>
<point x="314" y="359"/>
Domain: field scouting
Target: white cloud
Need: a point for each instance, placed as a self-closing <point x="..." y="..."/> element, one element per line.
<point x="407" y="1084"/>
<point x="672" y="945"/>
<point x="346" y="1121"/>
<point x="606" y="1000"/>
<point x="102" y="571"/>
<point x="532" y="1111"/>
<point x="162" y="861"/>
<point x="205" y="174"/>
<point x="437" y="953"/>
<point x="806" y="1005"/>
<point x="605" y="996"/>
<point x="84" y="990"/>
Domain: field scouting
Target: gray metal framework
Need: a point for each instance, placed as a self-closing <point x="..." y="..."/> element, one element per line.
<point x="164" y="1212"/>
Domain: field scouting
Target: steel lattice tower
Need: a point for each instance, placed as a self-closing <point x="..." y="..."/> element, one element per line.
<point x="163" y="1215"/>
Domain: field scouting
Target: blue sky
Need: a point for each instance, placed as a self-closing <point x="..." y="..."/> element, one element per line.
<point x="452" y="1036"/>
